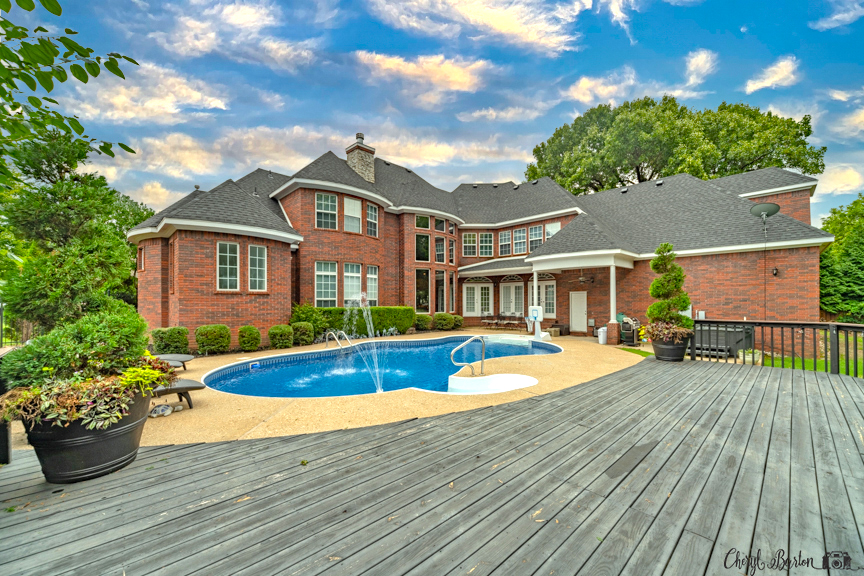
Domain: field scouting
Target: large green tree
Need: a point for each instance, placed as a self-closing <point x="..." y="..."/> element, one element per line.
<point x="844" y="220"/>
<point x="646" y="139"/>
<point x="842" y="265"/>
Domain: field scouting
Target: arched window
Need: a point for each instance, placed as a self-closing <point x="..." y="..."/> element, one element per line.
<point x="545" y="276"/>
<point x="482" y="279"/>
<point x="512" y="278"/>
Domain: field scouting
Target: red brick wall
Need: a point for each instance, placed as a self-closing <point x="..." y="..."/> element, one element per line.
<point x="464" y="261"/>
<point x="795" y="204"/>
<point x="410" y="265"/>
<point x="153" y="282"/>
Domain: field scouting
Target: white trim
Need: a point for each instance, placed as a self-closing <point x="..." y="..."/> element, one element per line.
<point x="428" y="291"/>
<point x="527" y="219"/>
<point x="169" y="225"/>
<point x="616" y="251"/>
<point x="772" y="191"/>
<point x="518" y="308"/>
<point x="296" y="183"/>
<point x="237" y="267"/>
<point x="498" y="272"/>
<point x="249" y="267"/>
<point x="475" y="244"/>
<point x="315" y="283"/>
<point x="785" y="244"/>
<point x="284" y="213"/>
<point x="377" y="285"/>
<point x="423" y="212"/>
<point x="477" y="306"/>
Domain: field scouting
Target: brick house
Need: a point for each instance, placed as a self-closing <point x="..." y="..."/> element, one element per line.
<point x="243" y="251"/>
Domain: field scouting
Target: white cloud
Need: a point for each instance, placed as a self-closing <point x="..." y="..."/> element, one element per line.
<point x="844" y="12"/>
<point x="797" y="109"/>
<point x="817" y="220"/>
<point x="840" y="95"/>
<point x="613" y="87"/>
<point x="155" y="195"/>
<point x="237" y="31"/>
<point x="174" y="154"/>
<point x="840" y="179"/>
<point x="534" y="25"/>
<point x="150" y="94"/>
<point x="429" y="80"/>
<point x="850" y="125"/>
<point x="271" y="99"/>
<point x="784" y="72"/>
<point x="744" y="29"/>
<point x="507" y="114"/>
<point x="700" y="64"/>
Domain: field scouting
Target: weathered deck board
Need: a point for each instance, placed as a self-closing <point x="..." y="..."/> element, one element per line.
<point x="657" y="469"/>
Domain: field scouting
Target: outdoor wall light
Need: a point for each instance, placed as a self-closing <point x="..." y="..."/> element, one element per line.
<point x="774" y="271"/>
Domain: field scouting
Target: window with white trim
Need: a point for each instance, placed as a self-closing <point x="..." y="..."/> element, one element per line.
<point x="439" y="250"/>
<point x="512" y="297"/>
<point x="547" y="296"/>
<point x="421" y="291"/>
<point x="229" y="265"/>
<point x="477" y="297"/>
<point x="372" y="285"/>
<point x="519" y="245"/>
<point x="452" y="251"/>
<point x="469" y="244"/>
<point x="257" y="268"/>
<point x="452" y="292"/>
<point x="372" y="220"/>
<point x="351" y="286"/>
<point x="535" y="237"/>
<point x="325" y="211"/>
<point x="353" y="213"/>
<point x="440" y="225"/>
<point x="486" y="239"/>
<point x="452" y="228"/>
<point x="325" y="284"/>
<point x="141" y="259"/>
<point x="421" y="247"/>
<point x="552" y="229"/>
<point x="504" y="243"/>
<point x="421" y="221"/>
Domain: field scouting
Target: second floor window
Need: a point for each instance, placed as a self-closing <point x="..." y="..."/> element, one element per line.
<point x="535" y="237"/>
<point x="452" y="251"/>
<point x="469" y="244"/>
<point x="486" y="244"/>
<point x="353" y="212"/>
<point x="421" y="247"/>
<point x="257" y="268"/>
<point x="519" y="241"/>
<point x="440" y="225"/>
<point x="372" y="220"/>
<point x="228" y="264"/>
<point x="421" y="221"/>
<point x="504" y="243"/>
<point x="439" y="250"/>
<point x="552" y="229"/>
<point x="325" y="211"/>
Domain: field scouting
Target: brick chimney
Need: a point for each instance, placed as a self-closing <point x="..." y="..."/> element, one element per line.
<point x="362" y="159"/>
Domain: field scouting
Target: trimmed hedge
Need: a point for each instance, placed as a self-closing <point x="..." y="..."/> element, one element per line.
<point x="444" y="321"/>
<point x="423" y="322"/>
<point x="383" y="319"/>
<point x="170" y="340"/>
<point x="281" y="336"/>
<point x="458" y="321"/>
<point x="213" y="338"/>
<point x="304" y="333"/>
<point x="249" y="338"/>
<point x="312" y="315"/>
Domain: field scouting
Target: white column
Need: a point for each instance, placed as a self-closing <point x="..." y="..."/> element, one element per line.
<point x="536" y="298"/>
<point x="613" y="305"/>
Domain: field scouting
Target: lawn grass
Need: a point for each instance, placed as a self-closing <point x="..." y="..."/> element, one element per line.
<point x="638" y="351"/>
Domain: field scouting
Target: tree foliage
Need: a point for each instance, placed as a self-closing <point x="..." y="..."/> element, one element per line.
<point x="844" y="220"/>
<point x="31" y="61"/>
<point x="842" y="264"/>
<point x="647" y="139"/>
<point x="668" y="290"/>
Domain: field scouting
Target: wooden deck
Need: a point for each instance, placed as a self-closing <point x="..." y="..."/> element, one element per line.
<point x="657" y="469"/>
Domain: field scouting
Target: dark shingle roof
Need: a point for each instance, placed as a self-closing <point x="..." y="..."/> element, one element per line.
<point x="584" y="234"/>
<point x="227" y="203"/>
<point x="763" y="179"/>
<point x="493" y="203"/>
<point x="497" y="264"/>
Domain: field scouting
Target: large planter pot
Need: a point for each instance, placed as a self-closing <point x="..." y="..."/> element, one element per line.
<point x="669" y="351"/>
<point x="74" y="453"/>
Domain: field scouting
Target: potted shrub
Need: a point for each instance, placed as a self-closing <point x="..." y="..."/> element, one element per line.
<point x="82" y="392"/>
<point x="668" y="329"/>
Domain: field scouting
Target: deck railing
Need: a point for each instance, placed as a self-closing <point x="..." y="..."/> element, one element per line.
<point x="817" y="346"/>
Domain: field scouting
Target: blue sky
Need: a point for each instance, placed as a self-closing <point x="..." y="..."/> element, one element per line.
<point x="460" y="90"/>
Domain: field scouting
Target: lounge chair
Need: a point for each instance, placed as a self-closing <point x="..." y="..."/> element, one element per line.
<point x="181" y="388"/>
<point x="176" y="360"/>
<point x="489" y="320"/>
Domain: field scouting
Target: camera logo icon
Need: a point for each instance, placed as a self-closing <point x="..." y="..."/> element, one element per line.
<point x="836" y="561"/>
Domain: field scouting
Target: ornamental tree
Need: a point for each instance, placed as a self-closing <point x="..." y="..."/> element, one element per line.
<point x="668" y="290"/>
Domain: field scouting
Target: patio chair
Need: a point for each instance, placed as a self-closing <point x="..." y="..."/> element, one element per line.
<point x="509" y="321"/>
<point x="181" y="388"/>
<point x="176" y="360"/>
<point x="489" y="320"/>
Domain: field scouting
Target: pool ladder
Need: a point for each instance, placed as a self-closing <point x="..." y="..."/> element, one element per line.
<point x="482" y="355"/>
<point x="335" y="334"/>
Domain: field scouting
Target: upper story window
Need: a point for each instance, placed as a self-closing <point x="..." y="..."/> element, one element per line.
<point x="372" y="220"/>
<point x="421" y="222"/>
<point x="141" y="259"/>
<point x="486" y="244"/>
<point x="351" y="283"/>
<point x="552" y="229"/>
<point x="452" y="228"/>
<point x="325" y="284"/>
<point x="421" y="247"/>
<point x="228" y="266"/>
<point x="325" y="211"/>
<point x="353" y="212"/>
<point x="439" y="250"/>
<point x="469" y="244"/>
<point x="535" y="237"/>
<point x="452" y="251"/>
<point x="519" y="241"/>
<point x="257" y="268"/>
<point x="504" y="243"/>
<point x="372" y="285"/>
<point x="440" y="225"/>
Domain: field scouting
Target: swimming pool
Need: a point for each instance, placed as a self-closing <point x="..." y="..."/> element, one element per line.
<point x="423" y="364"/>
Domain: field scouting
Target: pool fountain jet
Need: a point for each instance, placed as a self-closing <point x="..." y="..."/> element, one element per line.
<point x="368" y="353"/>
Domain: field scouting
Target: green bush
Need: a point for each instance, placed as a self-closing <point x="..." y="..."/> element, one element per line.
<point x="304" y="333"/>
<point x="458" y="321"/>
<point x="423" y="322"/>
<point x="668" y="290"/>
<point x="102" y="343"/>
<point x="213" y="338"/>
<point x="312" y="315"/>
<point x="170" y="340"/>
<point x="249" y="338"/>
<point x="383" y="319"/>
<point x="444" y="321"/>
<point x="281" y="336"/>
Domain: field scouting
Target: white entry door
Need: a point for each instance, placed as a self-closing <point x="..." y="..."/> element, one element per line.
<point x="579" y="311"/>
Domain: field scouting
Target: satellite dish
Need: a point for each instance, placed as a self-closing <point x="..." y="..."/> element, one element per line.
<point x="764" y="210"/>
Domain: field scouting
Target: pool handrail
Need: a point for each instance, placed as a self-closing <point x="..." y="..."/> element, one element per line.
<point x="335" y="334"/>
<point x="482" y="354"/>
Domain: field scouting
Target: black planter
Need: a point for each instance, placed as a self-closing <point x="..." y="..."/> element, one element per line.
<point x="669" y="351"/>
<point x="74" y="453"/>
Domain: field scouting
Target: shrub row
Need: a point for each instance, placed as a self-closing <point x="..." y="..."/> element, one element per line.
<point x="383" y="319"/>
<point x="440" y="321"/>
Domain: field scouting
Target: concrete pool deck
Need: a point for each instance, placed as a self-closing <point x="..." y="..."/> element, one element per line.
<point x="218" y="416"/>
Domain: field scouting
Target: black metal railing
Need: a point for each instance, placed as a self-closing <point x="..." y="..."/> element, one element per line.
<point x="817" y="346"/>
<point x="13" y="332"/>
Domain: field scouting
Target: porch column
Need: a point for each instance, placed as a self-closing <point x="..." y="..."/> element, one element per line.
<point x="613" y="330"/>
<point x="536" y="297"/>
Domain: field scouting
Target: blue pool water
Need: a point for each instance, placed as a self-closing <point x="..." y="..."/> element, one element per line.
<point x="404" y="364"/>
